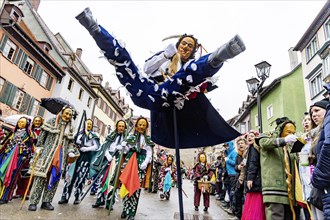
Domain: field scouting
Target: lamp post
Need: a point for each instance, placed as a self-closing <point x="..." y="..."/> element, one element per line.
<point x="255" y="86"/>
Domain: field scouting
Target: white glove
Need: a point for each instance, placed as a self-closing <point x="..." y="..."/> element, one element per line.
<point x="205" y="177"/>
<point x="170" y="50"/>
<point x="124" y="144"/>
<point x="226" y="158"/>
<point x="38" y="150"/>
<point x="119" y="147"/>
<point x="167" y="169"/>
<point x="143" y="165"/>
<point x="83" y="149"/>
<point x="109" y="157"/>
<point x="291" y="138"/>
<point x="71" y="154"/>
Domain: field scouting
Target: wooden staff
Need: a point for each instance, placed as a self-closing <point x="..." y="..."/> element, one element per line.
<point x="31" y="177"/>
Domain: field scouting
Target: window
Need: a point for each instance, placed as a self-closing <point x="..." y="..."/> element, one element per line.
<point x="2" y="82"/>
<point x="316" y="84"/>
<point x="256" y="121"/>
<point x="35" y="107"/>
<point x="326" y="65"/>
<point x="44" y="79"/>
<point x="104" y="107"/>
<point x="9" y="50"/>
<point x="242" y="127"/>
<point x="311" y="49"/>
<point x="327" y="29"/>
<point x="70" y="84"/>
<point x="89" y="102"/>
<point x="81" y="93"/>
<point x="99" y="103"/>
<point x="18" y="100"/>
<point x="28" y="66"/>
<point x="270" y="111"/>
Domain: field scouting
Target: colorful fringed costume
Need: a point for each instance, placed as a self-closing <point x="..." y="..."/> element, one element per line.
<point x="15" y="153"/>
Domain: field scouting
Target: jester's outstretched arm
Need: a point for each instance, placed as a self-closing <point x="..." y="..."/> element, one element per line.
<point x="144" y="92"/>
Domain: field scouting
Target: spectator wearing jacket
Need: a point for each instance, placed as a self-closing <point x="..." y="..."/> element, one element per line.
<point x="253" y="205"/>
<point x="230" y="175"/>
<point x="321" y="174"/>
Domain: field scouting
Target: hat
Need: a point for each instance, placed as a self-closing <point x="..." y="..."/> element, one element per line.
<point x="322" y="103"/>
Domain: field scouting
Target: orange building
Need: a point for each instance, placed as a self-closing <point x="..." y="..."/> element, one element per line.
<point x="27" y="72"/>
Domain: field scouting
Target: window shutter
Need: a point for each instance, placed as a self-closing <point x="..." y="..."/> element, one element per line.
<point x="26" y="101"/>
<point x="38" y="74"/>
<point x="31" y="106"/>
<point x="35" y="70"/>
<point x="3" y="42"/>
<point x="41" y="111"/>
<point x="49" y="83"/>
<point x="11" y="95"/>
<point x="18" y="56"/>
<point x="23" y="61"/>
<point x="6" y="92"/>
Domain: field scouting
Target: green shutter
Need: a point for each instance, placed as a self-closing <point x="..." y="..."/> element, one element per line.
<point x="5" y="92"/>
<point x="50" y="82"/>
<point x="11" y="95"/>
<point x="35" y="70"/>
<point x="23" y="61"/>
<point x="41" y="111"/>
<point x="18" y="56"/>
<point x="3" y="42"/>
<point x="31" y="106"/>
<point x="26" y="101"/>
<point x="39" y="74"/>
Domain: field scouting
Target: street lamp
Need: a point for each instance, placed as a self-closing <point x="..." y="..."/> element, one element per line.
<point x="255" y="86"/>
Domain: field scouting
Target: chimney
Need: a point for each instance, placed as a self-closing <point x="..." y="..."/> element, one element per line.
<point x="293" y="57"/>
<point x="79" y="52"/>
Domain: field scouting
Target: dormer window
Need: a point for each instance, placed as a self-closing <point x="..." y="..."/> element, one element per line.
<point x="11" y="14"/>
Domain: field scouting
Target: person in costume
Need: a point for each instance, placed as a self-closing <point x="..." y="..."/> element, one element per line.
<point x="277" y="170"/>
<point x="138" y="146"/>
<point x="202" y="172"/>
<point x="162" y="98"/>
<point x="23" y="181"/>
<point x="15" y="153"/>
<point x="159" y="161"/>
<point x="110" y="149"/>
<point x="56" y="144"/>
<point x="167" y="174"/>
<point x="88" y="143"/>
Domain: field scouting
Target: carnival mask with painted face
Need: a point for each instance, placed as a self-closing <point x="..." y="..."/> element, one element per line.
<point x="169" y="160"/>
<point x="37" y="121"/>
<point x="202" y="158"/>
<point x="141" y="126"/>
<point x="186" y="48"/>
<point x="67" y="115"/>
<point x="22" y="123"/>
<point x="89" y="125"/>
<point x="121" y="127"/>
<point x="289" y="128"/>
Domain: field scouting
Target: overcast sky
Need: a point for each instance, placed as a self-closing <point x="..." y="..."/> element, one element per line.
<point x="268" y="28"/>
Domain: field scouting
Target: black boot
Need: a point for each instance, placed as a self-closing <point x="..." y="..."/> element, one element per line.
<point x="32" y="207"/>
<point x="98" y="204"/>
<point x="63" y="201"/>
<point x="196" y="208"/>
<point x="47" y="206"/>
<point x="227" y="51"/>
<point x="3" y="202"/>
<point x="205" y="209"/>
<point x="76" y="201"/>
<point x="123" y="215"/>
<point x="86" y="19"/>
